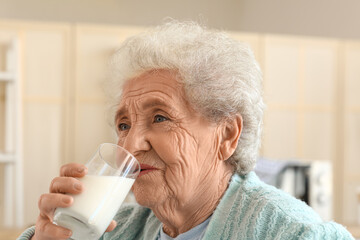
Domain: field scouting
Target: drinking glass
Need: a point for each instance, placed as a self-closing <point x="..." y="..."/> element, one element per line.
<point x="111" y="173"/>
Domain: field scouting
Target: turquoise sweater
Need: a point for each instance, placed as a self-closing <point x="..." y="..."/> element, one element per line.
<point x="249" y="209"/>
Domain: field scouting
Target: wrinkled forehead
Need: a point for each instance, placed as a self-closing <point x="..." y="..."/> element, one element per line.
<point x="161" y="82"/>
<point x="154" y="88"/>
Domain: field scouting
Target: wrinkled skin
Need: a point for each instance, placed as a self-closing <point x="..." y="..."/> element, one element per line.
<point x="186" y="152"/>
<point x="183" y="154"/>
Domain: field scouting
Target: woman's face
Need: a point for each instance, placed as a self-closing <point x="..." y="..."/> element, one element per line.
<point x="176" y="147"/>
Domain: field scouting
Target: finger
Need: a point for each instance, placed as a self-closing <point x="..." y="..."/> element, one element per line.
<point x="73" y="170"/>
<point x="111" y="227"/>
<point x="66" y="185"/>
<point x="49" y="202"/>
<point x="48" y="230"/>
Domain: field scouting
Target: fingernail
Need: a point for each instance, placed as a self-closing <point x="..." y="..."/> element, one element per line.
<point x="77" y="186"/>
<point x="81" y="170"/>
<point x="66" y="200"/>
<point x="68" y="233"/>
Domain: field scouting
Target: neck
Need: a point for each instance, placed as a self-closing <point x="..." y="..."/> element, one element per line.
<point x="179" y="217"/>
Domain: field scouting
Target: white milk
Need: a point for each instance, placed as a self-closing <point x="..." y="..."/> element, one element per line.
<point x="93" y="209"/>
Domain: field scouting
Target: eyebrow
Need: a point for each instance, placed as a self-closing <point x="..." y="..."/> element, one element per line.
<point x="154" y="103"/>
<point x="148" y="104"/>
<point x="119" y="113"/>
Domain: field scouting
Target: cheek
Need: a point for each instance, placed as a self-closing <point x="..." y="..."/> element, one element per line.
<point x="175" y="147"/>
<point x="180" y="153"/>
<point x="120" y="141"/>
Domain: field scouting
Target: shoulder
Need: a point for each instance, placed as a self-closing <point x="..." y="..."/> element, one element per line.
<point x="273" y="200"/>
<point x="261" y="210"/>
<point x="131" y="220"/>
<point x="325" y="230"/>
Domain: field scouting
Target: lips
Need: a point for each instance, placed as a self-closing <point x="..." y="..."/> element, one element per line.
<point x="145" y="169"/>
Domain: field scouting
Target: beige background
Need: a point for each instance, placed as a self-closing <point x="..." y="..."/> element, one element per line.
<point x="329" y="18"/>
<point x="311" y="83"/>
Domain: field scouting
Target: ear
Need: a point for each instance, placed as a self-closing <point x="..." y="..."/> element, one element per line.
<point x="230" y="134"/>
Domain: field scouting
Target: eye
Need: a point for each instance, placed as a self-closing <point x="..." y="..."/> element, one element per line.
<point x="159" y="119"/>
<point x="123" y="127"/>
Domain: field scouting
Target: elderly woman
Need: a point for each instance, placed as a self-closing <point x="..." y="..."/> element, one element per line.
<point x="189" y="107"/>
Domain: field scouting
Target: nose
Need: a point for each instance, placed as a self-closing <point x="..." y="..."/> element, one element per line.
<point x="136" y="141"/>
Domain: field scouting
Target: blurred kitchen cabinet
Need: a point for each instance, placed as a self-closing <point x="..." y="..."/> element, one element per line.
<point x="11" y="184"/>
<point x="11" y="160"/>
<point x="300" y="89"/>
<point x="351" y="128"/>
<point x="300" y="79"/>
<point x="93" y="46"/>
<point x="44" y="76"/>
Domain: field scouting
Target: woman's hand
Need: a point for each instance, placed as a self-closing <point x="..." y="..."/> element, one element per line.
<point x="66" y="183"/>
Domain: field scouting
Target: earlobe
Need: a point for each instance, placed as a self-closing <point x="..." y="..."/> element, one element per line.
<point x="231" y="131"/>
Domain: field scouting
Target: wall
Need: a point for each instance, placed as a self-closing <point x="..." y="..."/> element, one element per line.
<point x="328" y="18"/>
<point x="2" y="93"/>
<point x="2" y="121"/>
<point x="351" y="126"/>
<point x="44" y="77"/>
<point x="310" y="87"/>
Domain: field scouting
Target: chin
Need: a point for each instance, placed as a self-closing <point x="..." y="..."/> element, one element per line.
<point x="145" y="199"/>
<point x="146" y="196"/>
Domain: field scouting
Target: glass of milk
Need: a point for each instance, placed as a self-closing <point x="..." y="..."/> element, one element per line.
<point x="111" y="173"/>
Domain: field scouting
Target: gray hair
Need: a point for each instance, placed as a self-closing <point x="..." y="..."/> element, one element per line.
<point x="220" y="76"/>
